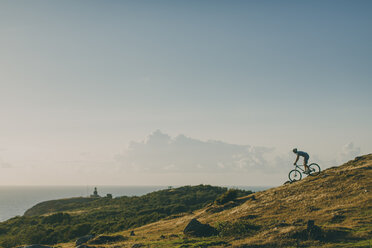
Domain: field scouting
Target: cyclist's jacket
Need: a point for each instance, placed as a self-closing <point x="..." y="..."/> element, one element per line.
<point x="303" y="154"/>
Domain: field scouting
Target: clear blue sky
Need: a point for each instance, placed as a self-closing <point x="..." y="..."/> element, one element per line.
<point x="81" y="80"/>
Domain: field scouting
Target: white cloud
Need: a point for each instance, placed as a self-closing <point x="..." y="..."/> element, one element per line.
<point x="162" y="153"/>
<point x="349" y="151"/>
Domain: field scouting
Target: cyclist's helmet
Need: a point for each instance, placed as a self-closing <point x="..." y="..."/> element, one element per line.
<point x="294" y="150"/>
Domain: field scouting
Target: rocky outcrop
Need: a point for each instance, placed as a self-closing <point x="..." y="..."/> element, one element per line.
<point x="197" y="229"/>
<point x="312" y="232"/>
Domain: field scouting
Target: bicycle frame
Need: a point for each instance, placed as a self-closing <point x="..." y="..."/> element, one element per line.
<point x="298" y="167"/>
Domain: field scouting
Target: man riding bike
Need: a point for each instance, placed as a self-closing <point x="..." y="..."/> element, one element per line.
<point x="306" y="159"/>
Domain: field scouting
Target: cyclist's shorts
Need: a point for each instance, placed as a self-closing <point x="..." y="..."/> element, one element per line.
<point x="306" y="158"/>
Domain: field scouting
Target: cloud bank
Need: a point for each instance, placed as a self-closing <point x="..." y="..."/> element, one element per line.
<point x="162" y="153"/>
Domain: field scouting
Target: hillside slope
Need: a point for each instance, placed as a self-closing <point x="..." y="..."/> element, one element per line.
<point x="338" y="200"/>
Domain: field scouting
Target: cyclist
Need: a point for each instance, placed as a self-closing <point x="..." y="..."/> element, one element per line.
<point x="306" y="159"/>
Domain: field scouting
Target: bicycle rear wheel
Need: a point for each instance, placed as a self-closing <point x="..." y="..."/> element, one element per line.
<point x="294" y="175"/>
<point x="314" y="169"/>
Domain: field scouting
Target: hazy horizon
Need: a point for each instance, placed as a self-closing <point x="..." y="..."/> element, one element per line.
<point x="181" y="93"/>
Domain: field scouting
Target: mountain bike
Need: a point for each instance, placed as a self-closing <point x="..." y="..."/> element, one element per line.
<point x="296" y="175"/>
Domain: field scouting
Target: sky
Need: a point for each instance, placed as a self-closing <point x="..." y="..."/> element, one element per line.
<point x="181" y="92"/>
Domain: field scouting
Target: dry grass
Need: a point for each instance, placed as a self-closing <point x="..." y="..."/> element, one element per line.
<point x="339" y="197"/>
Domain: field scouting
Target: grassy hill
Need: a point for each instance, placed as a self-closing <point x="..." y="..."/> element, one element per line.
<point x="338" y="200"/>
<point x="64" y="220"/>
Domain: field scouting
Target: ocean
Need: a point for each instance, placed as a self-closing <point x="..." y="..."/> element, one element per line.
<point x="15" y="200"/>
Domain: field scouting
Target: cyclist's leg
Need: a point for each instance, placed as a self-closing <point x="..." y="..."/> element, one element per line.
<point x="306" y="159"/>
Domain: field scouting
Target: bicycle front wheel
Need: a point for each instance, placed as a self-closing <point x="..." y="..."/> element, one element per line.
<point x="294" y="175"/>
<point x="314" y="169"/>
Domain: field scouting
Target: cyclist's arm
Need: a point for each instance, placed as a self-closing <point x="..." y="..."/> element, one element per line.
<point x="297" y="159"/>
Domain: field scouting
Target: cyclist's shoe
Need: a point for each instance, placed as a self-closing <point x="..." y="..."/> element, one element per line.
<point x="307" y="172"/>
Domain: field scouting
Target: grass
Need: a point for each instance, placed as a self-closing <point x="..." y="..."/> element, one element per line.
<point x="358" y="244"/>
<point x="189" y="242"/>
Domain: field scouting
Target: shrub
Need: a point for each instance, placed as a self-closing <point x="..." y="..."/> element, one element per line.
<point x="239" y="228"/>
<point x="80" y="230"/>
<point x="3" y="230"/>
<point x="229" y="195"/>
<point x="178" y="209"/>
<point x="57" y="218"/>
<point x="9" y="242"/>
